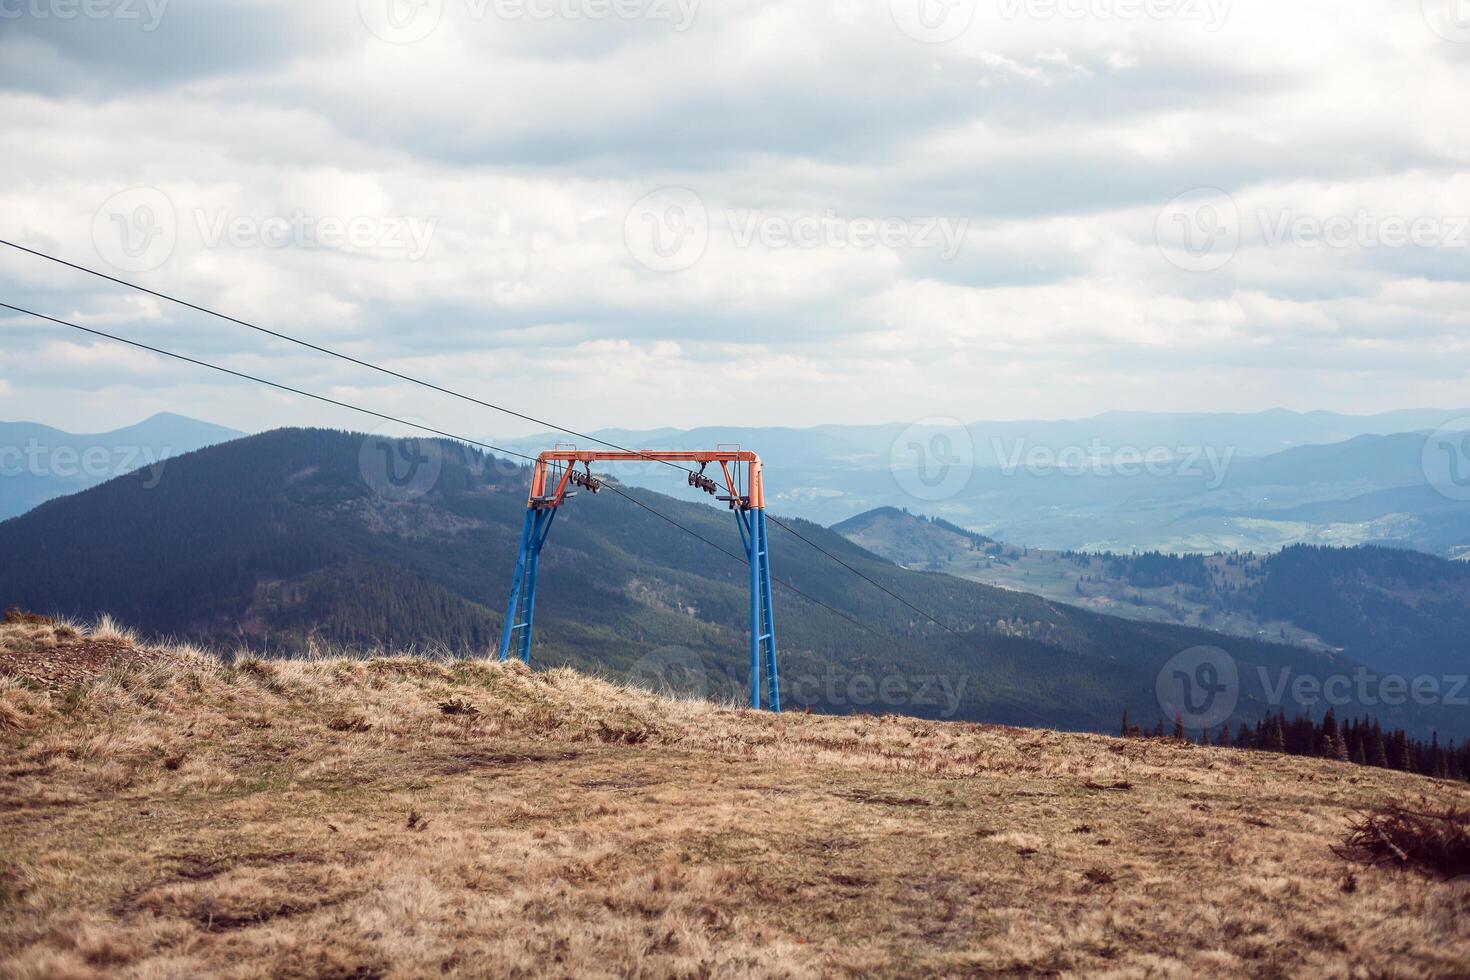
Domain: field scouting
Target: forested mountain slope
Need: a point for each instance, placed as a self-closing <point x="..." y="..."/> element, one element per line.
<point x="294" y="538"/>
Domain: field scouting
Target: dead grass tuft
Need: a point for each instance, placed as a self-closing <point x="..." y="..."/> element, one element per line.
<point x="458" y="706"/>
<point x="107" y="629"/>
<point x="15" y="616"/>
<point x="1431" y="839"/>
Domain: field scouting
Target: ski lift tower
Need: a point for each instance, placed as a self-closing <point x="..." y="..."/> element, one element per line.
<point x="553" y="480"/>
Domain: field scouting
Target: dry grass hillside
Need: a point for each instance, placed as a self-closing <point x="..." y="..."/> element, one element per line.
<point x="163" y="814"/>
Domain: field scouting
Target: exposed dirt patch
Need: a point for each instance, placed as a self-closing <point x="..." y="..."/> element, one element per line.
<point x="620" y="783"/>
<point x="885" y="799"/>
<point x="473" y="759"/>
<point x="72" y="660"/>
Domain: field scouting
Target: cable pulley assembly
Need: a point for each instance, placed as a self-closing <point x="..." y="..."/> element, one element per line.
<point x="702" y="482"/>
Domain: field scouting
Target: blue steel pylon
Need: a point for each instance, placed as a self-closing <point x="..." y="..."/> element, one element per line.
<point x="521" y="609"/>
<point x="750" y="516"/>
<point x="752" y="525"/>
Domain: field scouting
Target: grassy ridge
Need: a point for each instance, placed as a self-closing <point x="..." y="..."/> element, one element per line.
<point x="405" y="817"/>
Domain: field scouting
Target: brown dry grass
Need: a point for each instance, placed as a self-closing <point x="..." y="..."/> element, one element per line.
<point x="335" y="818"/>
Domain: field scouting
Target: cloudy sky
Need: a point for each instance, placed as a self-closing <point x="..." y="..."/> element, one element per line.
<point x="674" y="212"/>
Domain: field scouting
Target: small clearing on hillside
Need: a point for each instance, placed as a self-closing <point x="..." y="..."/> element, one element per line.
<point x="163" y="813"/>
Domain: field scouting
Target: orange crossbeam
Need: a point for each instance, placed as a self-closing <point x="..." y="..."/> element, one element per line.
<point x="540" y="497"/>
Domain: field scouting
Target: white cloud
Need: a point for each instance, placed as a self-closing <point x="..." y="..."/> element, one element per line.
<point x="490" y="168"/>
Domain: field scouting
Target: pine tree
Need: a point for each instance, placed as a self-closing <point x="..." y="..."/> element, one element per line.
<point x="1124" y="729"/>
<point x="1379" y="750"/>
<point x="1179" y="726"/>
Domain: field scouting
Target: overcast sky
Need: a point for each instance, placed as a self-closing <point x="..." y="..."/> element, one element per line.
<point x="669" y="212"/>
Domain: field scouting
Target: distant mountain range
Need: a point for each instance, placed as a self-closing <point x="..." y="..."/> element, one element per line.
<point x="995" y="442"/>
<point x="299" y="538"/>
<point x="1210" y="483"/>
<point x="1120" y="481"/>
<point x="1392" y="609"/>
<point x="39" y="463"/>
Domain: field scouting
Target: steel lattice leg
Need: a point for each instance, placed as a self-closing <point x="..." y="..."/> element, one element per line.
<point x="520" y="611"/>
<point x="752" y="552"/>
<point x="513" y="607"/>
<point x="768" y="618"/>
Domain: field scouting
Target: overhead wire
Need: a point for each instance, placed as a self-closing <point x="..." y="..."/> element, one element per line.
<point x="433" y="387"/>
<point x="414" y="425"/>
<point x="332" y="352"/>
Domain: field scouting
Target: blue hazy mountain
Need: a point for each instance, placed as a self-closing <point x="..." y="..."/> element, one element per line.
<point x="1212" y="482"/>
<point x="39" y="463"/>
